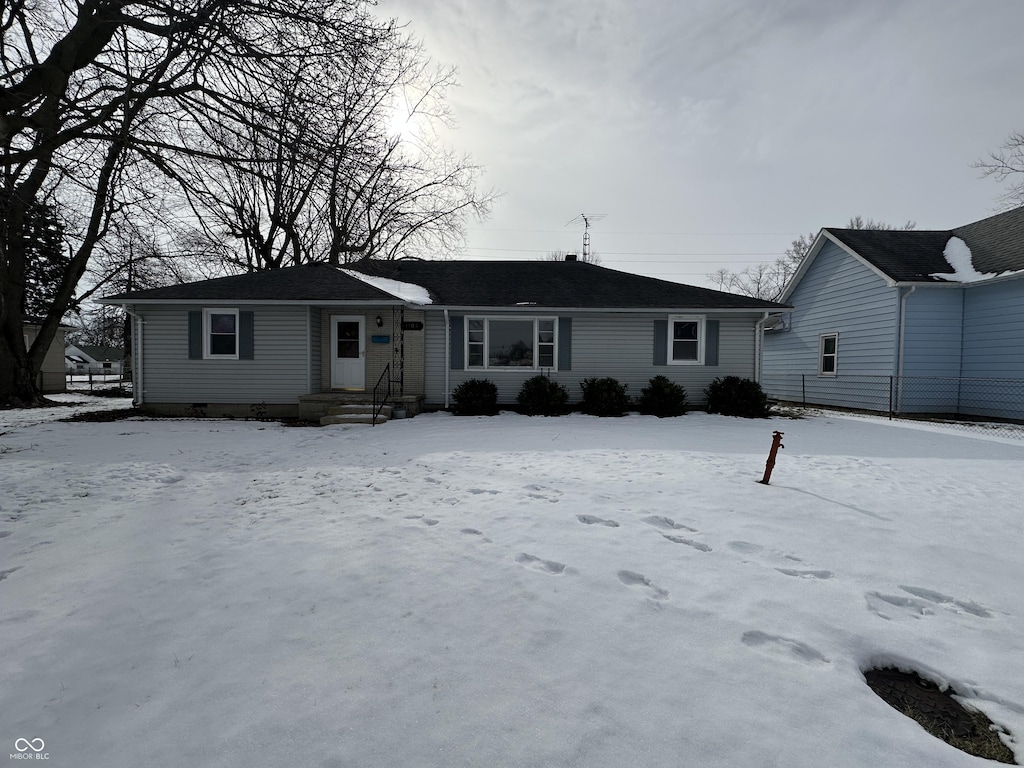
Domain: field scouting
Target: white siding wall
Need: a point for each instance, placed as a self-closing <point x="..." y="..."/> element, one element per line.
<point x="614" y="344"/>
<point x="838" y="294"/>
<point x="278" y="374"/>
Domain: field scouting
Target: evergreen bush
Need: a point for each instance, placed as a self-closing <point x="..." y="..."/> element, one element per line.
<point x="604" y="397"/>
<point x="662" y="397"/>
<point x="476" y="397"/>
<point x="733" y="396"/>
<point x="540" y="396"/>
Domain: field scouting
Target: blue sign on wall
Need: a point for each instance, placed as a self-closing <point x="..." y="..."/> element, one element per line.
<point x="380" y="339"/>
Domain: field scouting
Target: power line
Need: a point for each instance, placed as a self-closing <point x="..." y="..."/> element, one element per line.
<point x="624" y="232"/>
<point x="642" y="253"/>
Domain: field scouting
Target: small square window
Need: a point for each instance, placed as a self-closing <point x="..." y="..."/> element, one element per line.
<point x="686" y="340"/>
<point x="221" y="336"/>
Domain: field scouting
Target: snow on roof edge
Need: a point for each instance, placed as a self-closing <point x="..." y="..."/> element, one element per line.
<point x="410" y="292"/>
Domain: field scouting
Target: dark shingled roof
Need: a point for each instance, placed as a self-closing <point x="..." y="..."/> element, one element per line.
<point x="463" y="283"/>
<point x="996" y="244"/>
<point x="309" y="282"/>
<point x="550" y="284"/>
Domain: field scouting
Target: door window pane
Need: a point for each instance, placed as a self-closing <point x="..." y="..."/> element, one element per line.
<point x="348" y="339"/>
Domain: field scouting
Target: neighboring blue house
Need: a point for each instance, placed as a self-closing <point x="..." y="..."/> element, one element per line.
<point x="906" y="321"/>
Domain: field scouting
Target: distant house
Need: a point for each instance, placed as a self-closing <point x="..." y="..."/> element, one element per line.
<point x="51" y="376"/>
<point x="295" y="340"/>
<point x="912" y="321"/>
<point x="83" y="358"/>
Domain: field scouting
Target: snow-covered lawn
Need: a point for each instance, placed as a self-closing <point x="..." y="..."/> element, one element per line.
<point x="501" y="592"/>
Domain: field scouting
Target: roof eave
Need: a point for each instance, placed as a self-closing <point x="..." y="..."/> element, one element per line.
<point x="264" y="302"/>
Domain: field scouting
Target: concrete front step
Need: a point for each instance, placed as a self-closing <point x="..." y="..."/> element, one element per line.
<point x="358" y="408"/>
<point x="351" y="418"/>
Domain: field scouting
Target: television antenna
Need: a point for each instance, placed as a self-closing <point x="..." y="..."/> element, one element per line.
<point x="586" y="219"/>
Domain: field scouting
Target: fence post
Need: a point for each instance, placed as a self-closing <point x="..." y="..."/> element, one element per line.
<point x="803" y="389"/>
<point x="890" y="397"/>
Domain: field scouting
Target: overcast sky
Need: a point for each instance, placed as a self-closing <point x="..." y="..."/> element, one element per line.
<point x="712" y="132"/>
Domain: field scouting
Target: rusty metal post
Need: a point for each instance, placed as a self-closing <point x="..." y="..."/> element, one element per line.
<point x="770" y="464"/>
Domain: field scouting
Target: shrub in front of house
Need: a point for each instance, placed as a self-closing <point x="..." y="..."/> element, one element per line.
<point x="540" y="396"/>
<point x="476" y="397"/>
<point x="733" y="396"/>
<point x="604" y="397"/>
<point x="662" y="397"/>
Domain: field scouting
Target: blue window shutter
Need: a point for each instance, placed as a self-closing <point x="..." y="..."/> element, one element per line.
<point x="458" y="346"/>
<point x="195" y="335"/>
<point x="245" y="336"/>
<point x="711" y="342"/>
<point x="661" y="342"/>
<point x="565" y="343"/>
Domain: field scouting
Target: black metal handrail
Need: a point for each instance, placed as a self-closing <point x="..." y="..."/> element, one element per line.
<point x="381" y="393"/>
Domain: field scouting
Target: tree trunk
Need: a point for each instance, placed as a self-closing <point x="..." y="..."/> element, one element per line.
<point x="18" y="381"/>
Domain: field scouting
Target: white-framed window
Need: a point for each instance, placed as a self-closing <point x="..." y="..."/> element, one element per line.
<point x="511" y="343"/>
<point x="220" y="334"/>
<point x="686" y="340"/>
<point x="828" y="354"/>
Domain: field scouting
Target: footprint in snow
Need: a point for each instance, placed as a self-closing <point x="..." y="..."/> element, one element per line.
<point x="688" y="542"/>
<point x="592" y="520"/>
<point x="471" y="531"/>
<point x="8" y="572"/>
<point x="478" y="491"/>
<point x="660" y="521"/>
<point x="921" y="604"/>
<point x="631" y="579"/>
<point x="5" y="534"/>
<point x="809" y="574"/>
<point x="537" y="564"/>
<point x="785" y="647"/>
<point x="967" y="606"/>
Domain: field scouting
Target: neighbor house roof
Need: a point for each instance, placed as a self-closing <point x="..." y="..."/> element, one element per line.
<point x="996" y="245"/>
<point x="100" y="354"/>
<point x="462" y="284"/>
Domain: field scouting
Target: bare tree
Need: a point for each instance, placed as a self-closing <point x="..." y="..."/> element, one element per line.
<point x="100" y="98"/>
<point x="1007" y="164"/>
<point x="334" y="180"/>
<point x="769" y="280"/>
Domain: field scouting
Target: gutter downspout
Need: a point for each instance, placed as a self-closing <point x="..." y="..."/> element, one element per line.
<point x="138" y="393"/>
<point x="899" y="358"/>
<point x="447" y="358"/>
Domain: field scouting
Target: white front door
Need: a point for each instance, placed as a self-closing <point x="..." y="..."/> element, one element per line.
<point x="348" y="352"/>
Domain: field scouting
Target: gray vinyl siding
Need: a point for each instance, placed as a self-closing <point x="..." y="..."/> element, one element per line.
<point x="278" y="374"/>
<point x="613" y="344"/>
<point x="315" y="326"/>
<point x="838" y="294"/>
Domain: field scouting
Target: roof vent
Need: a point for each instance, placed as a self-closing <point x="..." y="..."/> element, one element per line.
<point x="570" y="257"/>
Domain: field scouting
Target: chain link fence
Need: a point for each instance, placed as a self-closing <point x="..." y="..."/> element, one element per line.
<point x="977" y="404"/>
